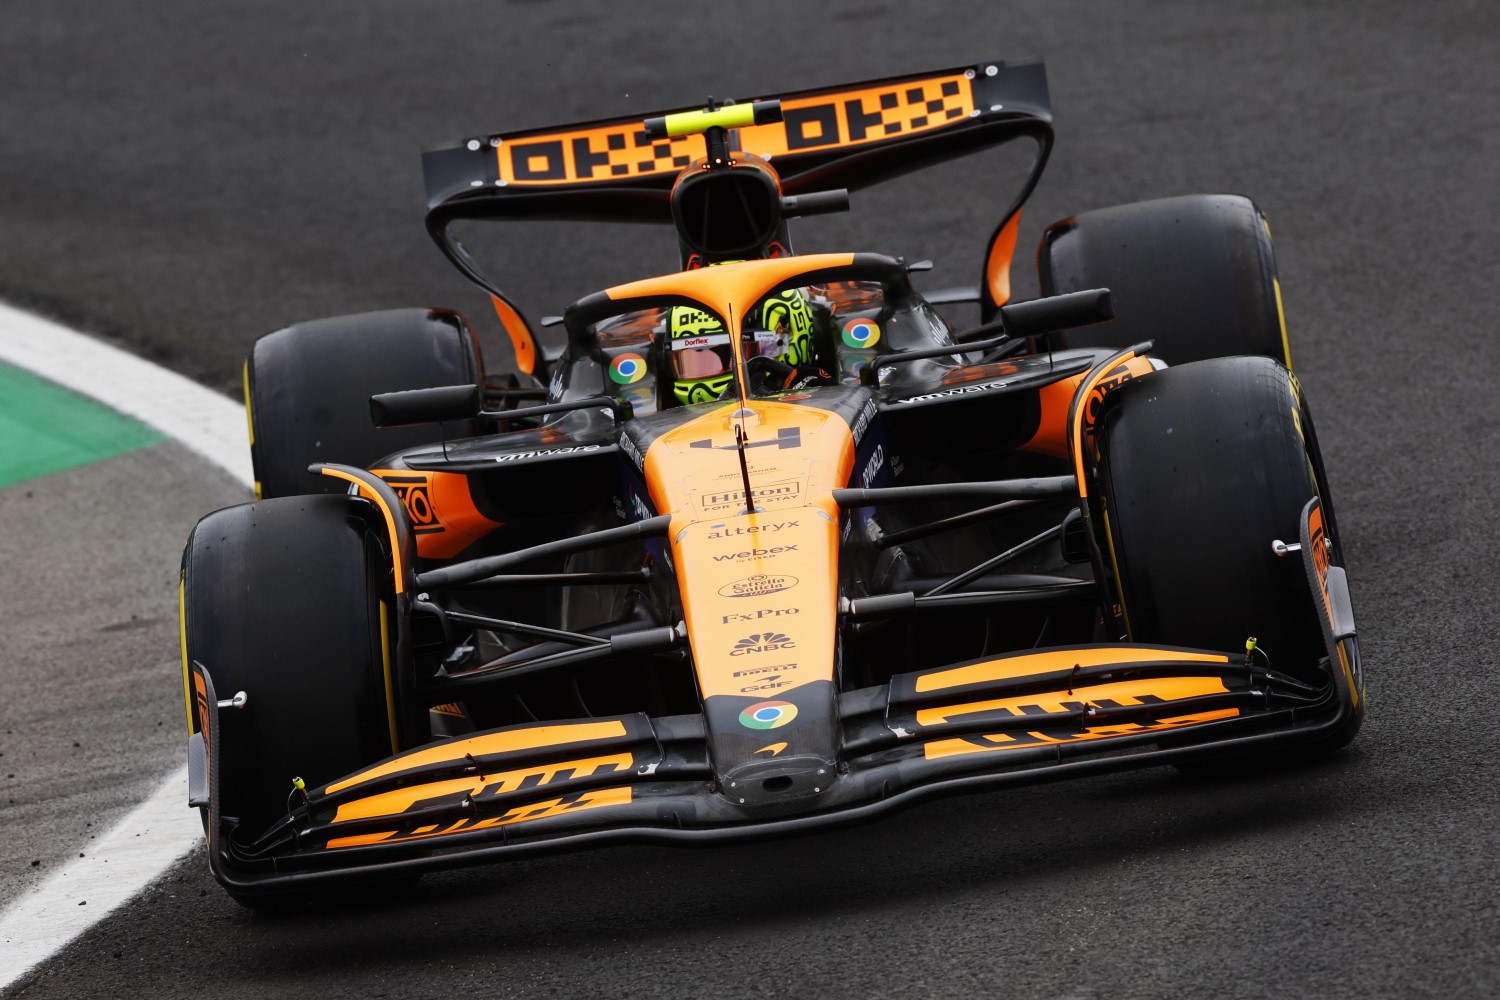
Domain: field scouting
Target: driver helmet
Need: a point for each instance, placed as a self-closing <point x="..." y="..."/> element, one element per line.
<point x="781" y="327"/>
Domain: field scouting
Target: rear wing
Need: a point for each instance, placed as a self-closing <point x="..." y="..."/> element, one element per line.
<point x="850" y="136"/>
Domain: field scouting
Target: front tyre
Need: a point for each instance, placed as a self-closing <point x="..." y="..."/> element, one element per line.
<point x="1203" y="467"/>
<point x="290" y="601"/>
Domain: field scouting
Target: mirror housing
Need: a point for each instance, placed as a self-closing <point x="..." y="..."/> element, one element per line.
<point x="425" y="406"/>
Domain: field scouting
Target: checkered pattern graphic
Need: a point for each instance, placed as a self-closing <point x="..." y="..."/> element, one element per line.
<point x="817" y="122"/>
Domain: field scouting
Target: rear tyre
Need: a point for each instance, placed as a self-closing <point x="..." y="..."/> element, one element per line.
<point x="1202" y="467"/>
<point x="1195" y="274"/>
<point x="308" y="389"/>
<point x="289" y="601"/>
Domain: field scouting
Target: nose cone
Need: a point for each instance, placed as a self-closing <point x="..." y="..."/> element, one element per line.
<point x="775" y="753"/>
<point x="793" y="784"/>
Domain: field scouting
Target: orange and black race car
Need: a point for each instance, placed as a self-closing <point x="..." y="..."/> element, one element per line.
<point x="763" y="545"/>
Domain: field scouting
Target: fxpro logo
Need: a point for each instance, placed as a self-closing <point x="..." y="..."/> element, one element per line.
<point x="774" y="550"/>
<point x="751" y="616"/>
<point x="788" y="490"/>
<point x="726" y="532"/>
<point x="758" y="585"/>
<point x="762" y="642"/>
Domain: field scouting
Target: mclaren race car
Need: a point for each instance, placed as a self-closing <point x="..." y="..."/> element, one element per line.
<point x="763" y="545"/>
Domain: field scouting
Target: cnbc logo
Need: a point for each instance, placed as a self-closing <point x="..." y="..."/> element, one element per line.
<point x="762" y="642"/>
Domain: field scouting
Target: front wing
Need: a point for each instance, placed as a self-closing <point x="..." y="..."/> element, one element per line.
<point x="1022" y="718"/>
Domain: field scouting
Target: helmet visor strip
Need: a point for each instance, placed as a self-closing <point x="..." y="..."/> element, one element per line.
<point x="703" y="356"/>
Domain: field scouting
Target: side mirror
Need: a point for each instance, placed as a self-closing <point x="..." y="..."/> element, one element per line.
<point x="425" y="406"/>
<point x="1057" y="312"/>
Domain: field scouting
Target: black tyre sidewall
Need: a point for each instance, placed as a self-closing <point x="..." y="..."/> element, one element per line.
<point x="282" y="600"/>
<point x="1203" y="466"/>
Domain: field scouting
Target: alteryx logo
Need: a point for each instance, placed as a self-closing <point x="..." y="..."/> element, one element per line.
<point x="762" y="642"/>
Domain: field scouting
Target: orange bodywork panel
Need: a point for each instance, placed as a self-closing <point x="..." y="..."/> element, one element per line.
<point x="1124" y="692"/>
<point x="1161" y="691"/>
<point x="486" y="743"/>
<point x="788" y="546"/>
<point x="739" y="284"/>
<point x="522" y="343"/>
<point x="519" y="814"/>
<point x="1010" y="667"/>
<point x="1013" y="741"/>
<point x="398" y="802"/>
<point x="1051" y="437"/>
<point x="997" y="263"/>
<point x="441" y="509"/>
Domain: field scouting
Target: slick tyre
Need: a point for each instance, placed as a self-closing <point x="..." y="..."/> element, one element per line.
<point x="1195" y="274"/>
<point x="1203" y="467"/>
<point x="288" y="600"/>
<point x="308" y="389"/>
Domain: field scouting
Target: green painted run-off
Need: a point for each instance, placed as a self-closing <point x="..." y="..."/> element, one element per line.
<point x="45" y="428"/>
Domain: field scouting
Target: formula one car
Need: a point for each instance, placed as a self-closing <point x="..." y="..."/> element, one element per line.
<point x="762" y="545"/>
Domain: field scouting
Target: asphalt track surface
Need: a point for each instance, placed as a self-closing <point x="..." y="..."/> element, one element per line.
<point x="181" y="177"/>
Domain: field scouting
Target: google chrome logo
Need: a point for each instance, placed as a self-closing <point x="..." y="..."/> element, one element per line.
<point x="861" y="333"/>
<point x="768" y="715"/>
<point x="627" y="368"/>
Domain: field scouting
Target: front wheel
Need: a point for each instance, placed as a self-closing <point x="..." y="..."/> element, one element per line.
<point x="1203" y="468"/>
<point x="290" y="601"/>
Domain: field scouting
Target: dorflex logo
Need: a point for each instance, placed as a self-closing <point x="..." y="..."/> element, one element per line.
<point x="762" y="642"/>
<point x="755" y="616"/>
<point x="759" y="585"/>
<point x="788" y="490"/>
<point x="768" y="715"/>
<point x="724" y="531"/>
<point x="774" y="550"/>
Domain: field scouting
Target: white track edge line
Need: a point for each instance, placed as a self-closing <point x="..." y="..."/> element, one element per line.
<point x="46" y="918"/>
